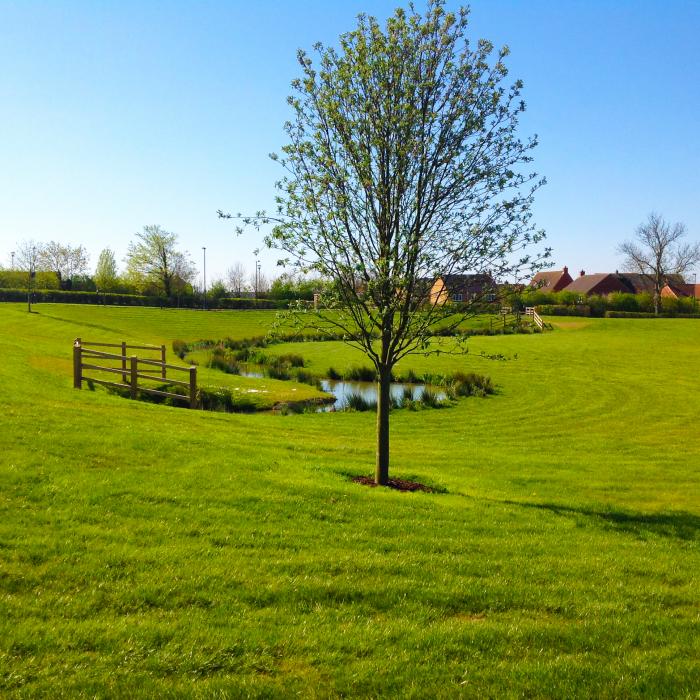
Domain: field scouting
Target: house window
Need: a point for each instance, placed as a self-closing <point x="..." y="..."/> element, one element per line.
<point x="491" y="297"/>
<point x="457" y="297"/>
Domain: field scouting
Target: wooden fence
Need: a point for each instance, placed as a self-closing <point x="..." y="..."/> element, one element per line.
<point x="531" y="311"/>
<point x="127" y="366"/>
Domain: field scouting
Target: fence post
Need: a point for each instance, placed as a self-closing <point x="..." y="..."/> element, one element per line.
<point x="193" y="387"/>
<point x="162" y="359"/>
<point x="124" y="377"/>
<point x="77" y="364"/>
<point x="134" y="378"/>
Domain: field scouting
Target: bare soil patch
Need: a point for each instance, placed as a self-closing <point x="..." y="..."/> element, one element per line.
<point x="397" y="484"/>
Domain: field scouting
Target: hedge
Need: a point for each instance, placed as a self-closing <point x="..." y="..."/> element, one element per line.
<point x="646" y="314"/>
<point x="231" y="303"/>
<point x="67" y="297"/>
<point x="563" y="310"/>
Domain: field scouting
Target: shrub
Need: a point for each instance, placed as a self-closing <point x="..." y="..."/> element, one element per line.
<point x="562" y="310"/>
<point x="332" y="374"/>
<point x="357" y="402"/>
<point x="180" y="348"/>
<point x="291" y="359"/>
<point x="429" y="398"/>
<point x="361" y="374"/>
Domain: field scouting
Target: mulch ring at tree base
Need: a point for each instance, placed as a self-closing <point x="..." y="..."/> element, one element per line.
<point x="398" y="484"/>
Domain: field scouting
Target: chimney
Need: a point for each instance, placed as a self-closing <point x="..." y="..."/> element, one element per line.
<point x="583" y="272"/>
<point x="566" y="270"/>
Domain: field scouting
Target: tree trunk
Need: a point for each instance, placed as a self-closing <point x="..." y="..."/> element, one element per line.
<point x="381" y="474"/>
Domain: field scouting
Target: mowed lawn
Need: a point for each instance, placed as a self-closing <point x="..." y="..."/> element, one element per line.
<point x="149" y="551"/>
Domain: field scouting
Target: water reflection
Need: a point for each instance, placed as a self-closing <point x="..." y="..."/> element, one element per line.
<point x="368" y="390"/>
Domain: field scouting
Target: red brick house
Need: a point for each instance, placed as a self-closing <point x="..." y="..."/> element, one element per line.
<point x="552" y="280"/>
<point x="598" y="283"/>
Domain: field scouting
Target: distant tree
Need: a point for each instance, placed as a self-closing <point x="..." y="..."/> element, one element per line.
<point x="656" y="252"/>
<point x="66" y="261"/>
<point x="27" y="258"/>
<point x="216" y="291"/>
<point x="236" y="277"/>
<point x="404" y="163"/>
<point x="259" y="283"/>
<point x="290" y="287"/>
<point x="106" y="275"/>
<point x="154" y="260"/>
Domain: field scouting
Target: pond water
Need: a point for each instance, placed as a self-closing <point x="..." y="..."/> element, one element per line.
<point x="368" y="390"/>
<point x="342" y="389"/>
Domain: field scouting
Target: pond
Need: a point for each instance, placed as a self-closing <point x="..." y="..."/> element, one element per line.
<point x="342" y="390"/>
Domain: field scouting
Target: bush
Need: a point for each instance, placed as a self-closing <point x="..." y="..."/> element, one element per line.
<point x="561" y="310"/>
<point x="67" y="297"/>
<point x="231" y="303"/>
<point x="291" y="360"/>
<point x="360" y="374"/>
<point x="180" y="348"/>
<point x="646" y="314"/>
<point x="334" y="375"/>
<point x="356" y="402"/>
<point x="430" y="399"/>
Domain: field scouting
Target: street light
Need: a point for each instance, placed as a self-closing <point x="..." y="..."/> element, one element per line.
<point x="205" y="277"/>
<point x="32" y="274"/>
<point x="12" y="264"/>
<point x="257" y="270"/>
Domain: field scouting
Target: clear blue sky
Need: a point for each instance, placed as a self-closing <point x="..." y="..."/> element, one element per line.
<point x="119" y="114"/>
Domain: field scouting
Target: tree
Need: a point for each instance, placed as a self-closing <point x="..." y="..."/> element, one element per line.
<point x="106" y="276"/>
<point x="27" y="259"/>
<point x="403" y="164"/>
<point x="153" y="259"/>
<point x="66" y="261"/>
<point x="656" y="252"/>
<point x="236" y="277"/>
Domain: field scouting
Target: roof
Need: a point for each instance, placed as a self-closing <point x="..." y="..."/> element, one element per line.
<point x="585" y="283"/>
<point x="639" y="283"/>
<point x="551" y="279"/>
<point x="461" y="281"/>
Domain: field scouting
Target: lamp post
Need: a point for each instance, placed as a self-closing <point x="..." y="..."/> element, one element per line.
<point x="204" y="249"/>
<point x="32" y="273"/>
<point x="257" y="270"/>
<point x="12" y="264"/>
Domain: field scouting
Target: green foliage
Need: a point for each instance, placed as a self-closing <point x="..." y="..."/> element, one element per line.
<point x="228" y="303"/>
<point x="106" y="274"/>
<point x="17" y="279"/>
<point x="180" y="348"/>
<point x="289" y="287"/>
<point x="360" y="374"/>
<point x="154" y="262"/>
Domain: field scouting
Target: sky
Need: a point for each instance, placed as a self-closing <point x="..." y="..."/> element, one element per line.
<point x="115" y="115"/>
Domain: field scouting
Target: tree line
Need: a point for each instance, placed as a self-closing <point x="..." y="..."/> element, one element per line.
<point x="154" y="266"/>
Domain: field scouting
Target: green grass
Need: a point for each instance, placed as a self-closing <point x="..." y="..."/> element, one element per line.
<point x="149" y="551"/>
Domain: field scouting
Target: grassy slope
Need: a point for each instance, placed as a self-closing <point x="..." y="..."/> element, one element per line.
<point x="149" y="550"/>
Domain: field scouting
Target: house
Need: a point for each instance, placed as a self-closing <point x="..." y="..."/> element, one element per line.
<point x="463" y="288"/>
<point x="677" y="291"/>
<point x="597" y="283"/>
<point x="552" y="280"/>
<point x="638" y="283"/>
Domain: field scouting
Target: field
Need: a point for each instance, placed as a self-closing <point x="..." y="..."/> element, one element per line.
<point x="149" y="551"/>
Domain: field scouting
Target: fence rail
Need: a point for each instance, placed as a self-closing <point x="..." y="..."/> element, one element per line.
<point x="531" y="311"/>
<point x="129" y="370"/>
